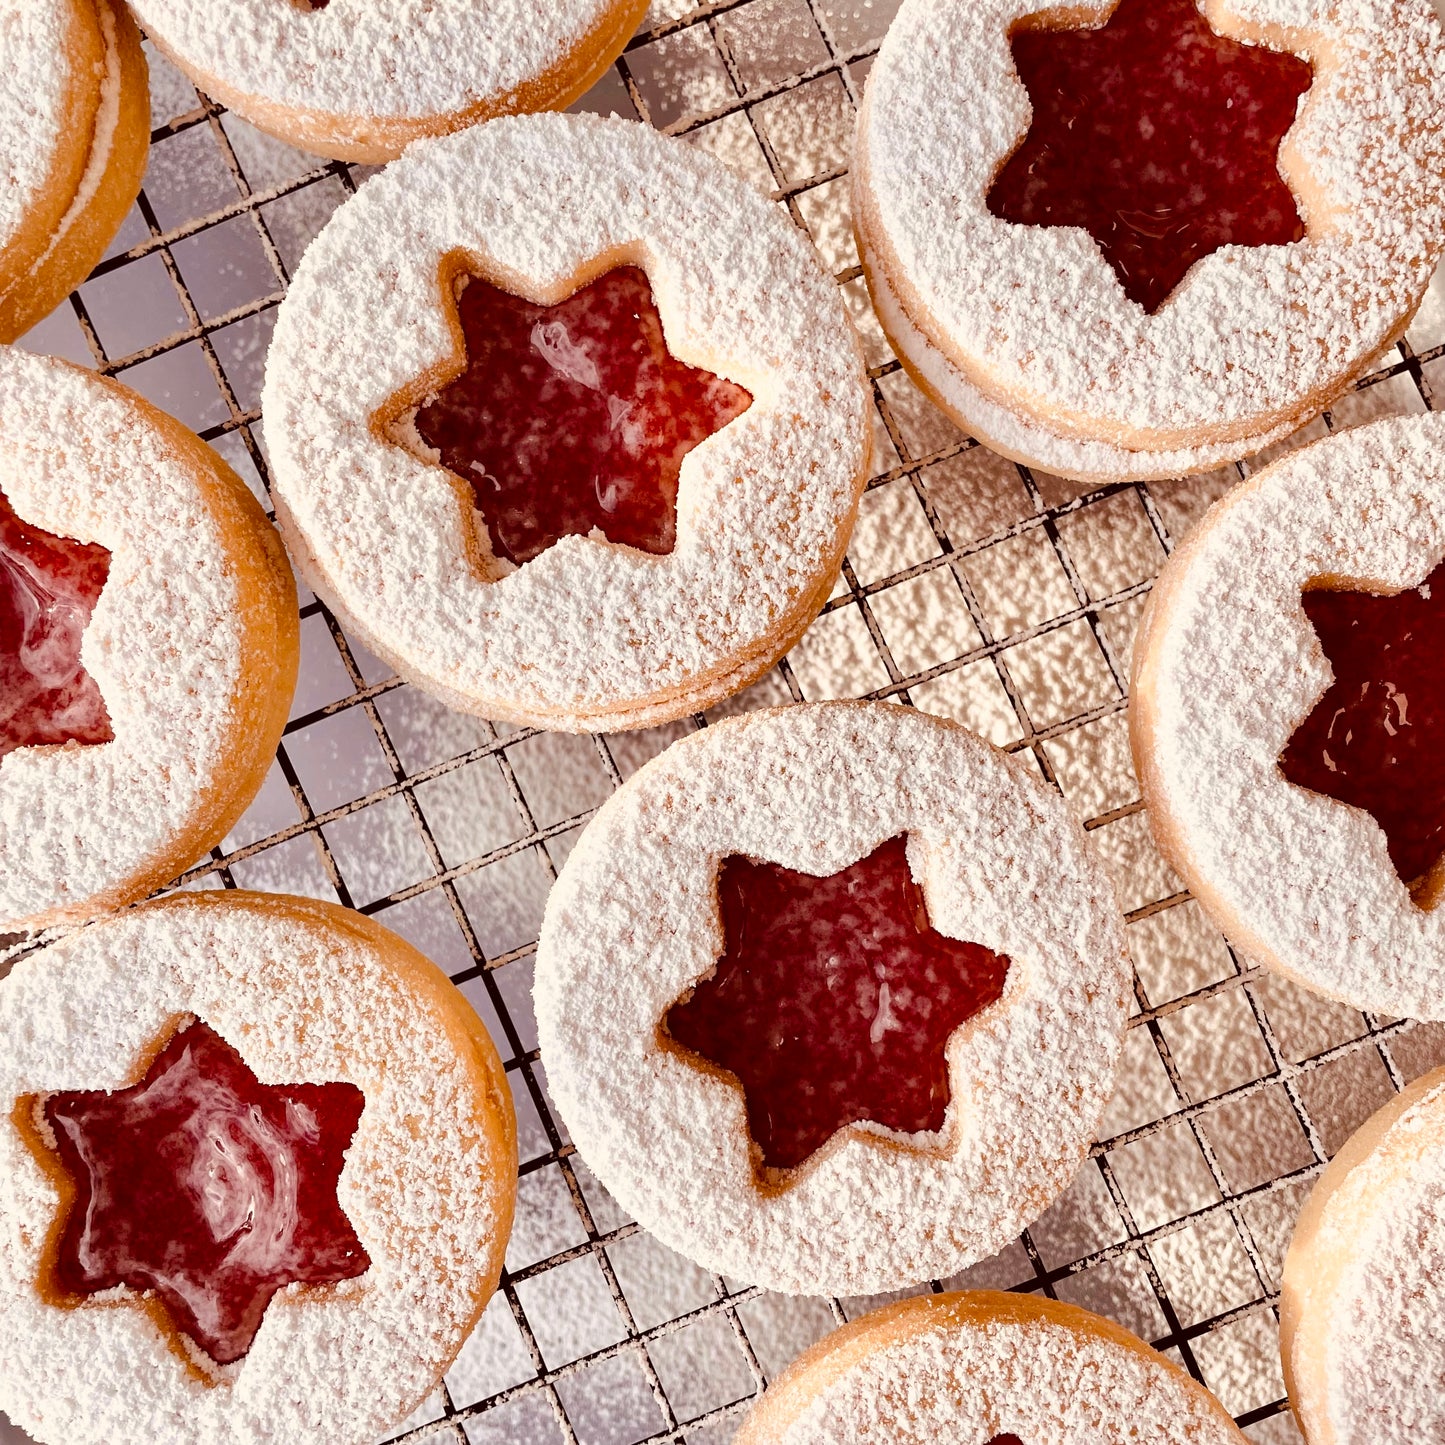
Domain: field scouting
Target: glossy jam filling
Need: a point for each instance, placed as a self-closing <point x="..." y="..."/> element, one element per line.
<point x="206" y="1187"/>
<point x="1005" y="1440"/>
<point x="573" y="417"/>
<point x="1371" y="740"/>
<point x="833" y="1001"/>
<point x="48" y="590"/>
<point x="1158" y="137"/>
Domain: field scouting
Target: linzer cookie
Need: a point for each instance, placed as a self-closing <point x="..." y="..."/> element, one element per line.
<point x="256" y="1177"/>
<point x="74" y="134"/>
<point x="148" y="644"/>
<point x="831" y="998"/>
<point x="1360" y="1333"/>
<point x="999" y="1369"/>
<point x="1287" y="710"/>
<point x="360" y="80"/>
<point x="585" y="454"/>
<point x="1139" y="239"/>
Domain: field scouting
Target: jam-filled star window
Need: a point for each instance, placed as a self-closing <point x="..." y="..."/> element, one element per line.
<point x="1157" y="135"/>
<point x="1371" y="740"/>
<point x="833" y="1002"/>
<point x="49" y="587"/>
<point x="571" y="419"/>
<point x="205" y="1188"/>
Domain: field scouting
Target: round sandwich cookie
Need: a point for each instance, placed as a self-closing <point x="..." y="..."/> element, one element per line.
<point x="985" y="1367"/>
<point x="257" y="1169"/>
<point x="1285" y="707"/>
<point x="148" y="644"/>
<point x="1141" y="238"/>
<point x="74" y="136"/>
<point x="1360" y="1304"/>
<point x="359" y="80"/>
<point x="832" y="997"/>
<point x="604" y="468"/>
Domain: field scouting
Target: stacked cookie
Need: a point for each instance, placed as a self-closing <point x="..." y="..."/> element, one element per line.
<point x="74" y="132"/>
<point x="361" y="82"/>
<point x="1075" y="251"/>
<point x="421" y="560"/>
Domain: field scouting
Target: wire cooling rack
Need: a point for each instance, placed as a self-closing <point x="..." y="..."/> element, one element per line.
<point x="973" y="588"/>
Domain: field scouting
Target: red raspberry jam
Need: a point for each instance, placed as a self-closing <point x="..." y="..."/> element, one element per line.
<point x="1005" y="1440"/>
<point x="207" y="1187"/>
<point x="833" y="1001"/>
<point x="48" y="589"/>
<point x="1157" y="136"/>
<point x="1370" y="740"/>
<point x="573" y="416"/>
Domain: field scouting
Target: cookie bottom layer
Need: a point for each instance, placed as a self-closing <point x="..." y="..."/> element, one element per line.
<point x="652" y="710"/>
<point x="1021" y="439"/>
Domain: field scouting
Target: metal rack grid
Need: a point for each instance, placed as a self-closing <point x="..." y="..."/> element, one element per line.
<point x="972" y="588"/>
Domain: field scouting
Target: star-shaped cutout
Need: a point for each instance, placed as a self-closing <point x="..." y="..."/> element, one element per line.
<point x="207" y="1187"/>
<point x="833" y="1001"/>
<point x="48" y="589"/>
<point x="572" y="418"/>
<point x="1376" y="739"/>
<point x="1157" y="136"/>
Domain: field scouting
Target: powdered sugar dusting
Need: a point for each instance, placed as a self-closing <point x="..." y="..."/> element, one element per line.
<point x="1380" y="1325"/>
<point x="79" y="459"/>
<point x="956" y="1371"/>
<point x="34" y="85"/>
<point x="1255" y="337"/>
<point x="633" y="922"/>
<point x="588" y="630"/>
<point x="390" y="58"/>
<point x="307" y="995"/>
<point x="1229" y="667"/>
